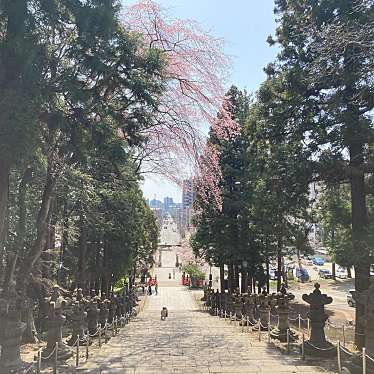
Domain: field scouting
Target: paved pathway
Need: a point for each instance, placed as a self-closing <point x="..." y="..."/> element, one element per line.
<point x="189" y="341"/>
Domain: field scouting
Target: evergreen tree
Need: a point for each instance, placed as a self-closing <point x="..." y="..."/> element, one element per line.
<point x="326" y="80"/>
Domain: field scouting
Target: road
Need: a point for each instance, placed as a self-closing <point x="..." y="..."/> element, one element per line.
<point x="339" y="309"/>
<point x="189" y="341"/>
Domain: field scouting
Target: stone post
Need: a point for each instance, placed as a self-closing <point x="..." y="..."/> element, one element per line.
<point x="80" y="297"/>
<point x="112" y="309"/>
<point x="218" y="297"/>
<point x="223" y="302"/>
<point x="79" y="323"/>
<point x="93" y="313"/>
<point x="249" y="307"/>
<point x="264" y="311"/>
<point x="229" y="304"/>
<point x="55" y="322"/>
<point x="238" y="306"/>
<point x="317" y="345"/>
<point x="103" y="312"/>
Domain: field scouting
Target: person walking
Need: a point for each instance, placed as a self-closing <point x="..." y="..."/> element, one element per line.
<point x="149" y="289"/>
<point x="156" y="287"/>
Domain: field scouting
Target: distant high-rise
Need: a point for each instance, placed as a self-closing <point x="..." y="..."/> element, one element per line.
<point x="188" y="196"/>
<point x="187" y="193"/>
<point x="155" y="204"/>
<point x="168" y="202"/>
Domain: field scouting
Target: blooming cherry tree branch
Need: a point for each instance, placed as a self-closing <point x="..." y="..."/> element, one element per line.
<point x="195" y="74"/>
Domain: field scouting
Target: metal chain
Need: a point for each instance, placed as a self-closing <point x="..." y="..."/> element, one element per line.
<point x="93" y="335"/>
<point x="50" y="355"/>
<point x="346" y="351"/>
<point x="29" y="368"/>
<point x="321" y="349"/>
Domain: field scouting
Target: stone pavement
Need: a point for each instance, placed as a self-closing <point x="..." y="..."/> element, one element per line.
<point x="189" y="341"/>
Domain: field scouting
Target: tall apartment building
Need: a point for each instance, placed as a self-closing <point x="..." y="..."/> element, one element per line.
<point x="188" y="196"/>
<point x="187" y="193"/>
<point x="168" y="203"/>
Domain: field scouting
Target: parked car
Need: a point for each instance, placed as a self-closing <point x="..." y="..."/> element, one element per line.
<point x="273" y="274"/>
<point x="341" y="273"/>
<point x="302" y="275"/>
<point x="350" y="298"/>
<point x="319" y="261"/>
<point x="372" y="271"/>
<point x="325" y="273"/>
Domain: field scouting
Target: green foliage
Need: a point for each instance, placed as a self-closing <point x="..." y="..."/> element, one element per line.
<point x="78" y="90"/>
<point x="218" y="233"/>
<point x="194" y="271"/>
<point x="265" y="181"/>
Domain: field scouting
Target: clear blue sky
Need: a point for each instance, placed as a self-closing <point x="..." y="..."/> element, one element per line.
<point x="245" y="25"/>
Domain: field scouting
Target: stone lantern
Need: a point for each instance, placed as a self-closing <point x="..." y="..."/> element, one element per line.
<point x="317" y="345"/>
<point x="264" y="307"/>
<point x="249" y="306"/>
<point x="283" y="309"/>
<point x="79" y="324"/>
<point x="55" y="322"/>
<point x="93" y="314"/>
<point x="238" y="305"/>
<point x="103" y="312"/>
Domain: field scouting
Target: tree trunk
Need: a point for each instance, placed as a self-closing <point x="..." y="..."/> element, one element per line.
<point x="98" y="267"/>
<point x="356" y="145"/>
<point x="267" y="275"/>
<point x="249" y="282"/>
<point x="236" y="277"/>
<point x="4" y="187"/>
<point x="30" y="335"/>
<point x="279" y="265"/>
<point x="244" y="283"/>
<point x="359" y="235"/>
<point x="41" y="228"/>
<point x="333" y="246"/>
<point x="222" y="276"/>
<point x="104" y="275"/>
<point x="46" y="256"/>
<point x="349" y="272"/>
<point x="64" y="243"/>
<point x="230" y="277"/>
<point x="298" y="257"/>
<point x="82" y="260"/>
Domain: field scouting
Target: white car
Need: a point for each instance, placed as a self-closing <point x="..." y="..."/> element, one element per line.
<point x="341" y="273"/>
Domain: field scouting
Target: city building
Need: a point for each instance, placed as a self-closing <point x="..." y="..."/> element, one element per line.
<point x="168" y="203"/>
<point x="187" y="193"/>
<point x="188" y="196"/>
<point x="180" y="213"/>
<point x="154" y="203"/>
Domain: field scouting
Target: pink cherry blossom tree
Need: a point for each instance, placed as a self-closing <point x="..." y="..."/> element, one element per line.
<point x="195" y="74"/>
